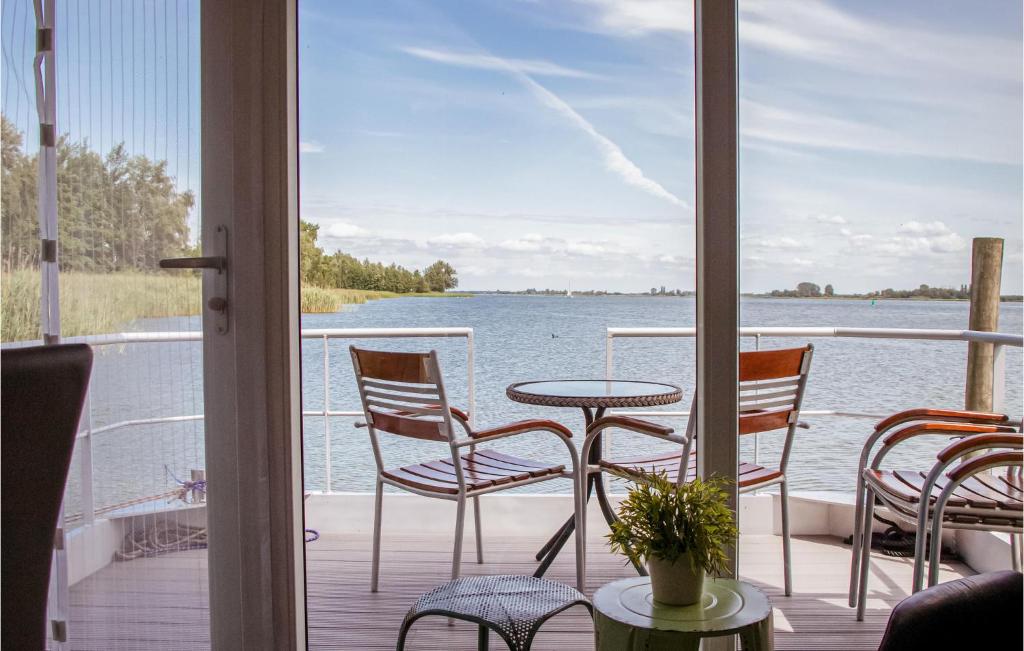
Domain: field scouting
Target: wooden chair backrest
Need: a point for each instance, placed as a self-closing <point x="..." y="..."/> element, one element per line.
<point x="771" y="388"/>
<point x="402" y="393"/>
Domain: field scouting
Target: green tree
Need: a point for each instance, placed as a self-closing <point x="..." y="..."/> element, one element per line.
<point x="808" y="289"/>
<point x="829" y="291"/>
<point x="20" y="226"/>
<point x="440" y="276"/>
<point x="116" y="212"/>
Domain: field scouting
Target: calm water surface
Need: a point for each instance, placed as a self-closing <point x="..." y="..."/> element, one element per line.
<point x="521" y="338"/>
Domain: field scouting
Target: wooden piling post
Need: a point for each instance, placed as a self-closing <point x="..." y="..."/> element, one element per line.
<point x="986" y="275"/>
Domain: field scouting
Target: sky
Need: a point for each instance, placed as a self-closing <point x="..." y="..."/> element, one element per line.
<point x="550" y="144"/>
<point x="534" y="143"/>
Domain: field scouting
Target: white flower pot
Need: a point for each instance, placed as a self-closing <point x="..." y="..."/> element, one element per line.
<point x="675" y="584"/>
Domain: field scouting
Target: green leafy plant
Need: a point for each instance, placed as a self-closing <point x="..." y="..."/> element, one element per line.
<point x="662" y="519"/>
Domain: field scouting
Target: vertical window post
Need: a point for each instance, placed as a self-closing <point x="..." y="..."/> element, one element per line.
<point x="715" y="23"/>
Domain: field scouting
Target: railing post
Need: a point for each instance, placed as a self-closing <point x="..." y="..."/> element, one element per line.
<point x="84" y="447"/>
<point x="471" y="378"/>
<point x="998" y="378"/>
<point x="608" y="355"/>
<point x="757" y="436"/>
<point x="327" y="418"/>
<point x="986" y="276"/>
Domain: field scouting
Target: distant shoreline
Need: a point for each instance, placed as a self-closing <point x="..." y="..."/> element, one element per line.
<point x="690" y="294"/>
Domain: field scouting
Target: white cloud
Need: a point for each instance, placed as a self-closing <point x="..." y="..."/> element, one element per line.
<point x="615" y="159"/>
<point x="458" y="240"/>
<point x="801" y="262"/>
<point x="818" y="31"/>
<point x="920" y="238"/>
<point x="924" y="228"/>
<point x="774" y="243"/>
<point x="586" y="248"/>
<point x="533" y="243"/>
<point x="823" y="33"/>
<point x="529" y="243"/>
<point x="829" y="219"/>
<point x="344" y="230"/>
<point x="310" y="147"/>
<point x="491" y="62"/>
<point x="639" y="17"/>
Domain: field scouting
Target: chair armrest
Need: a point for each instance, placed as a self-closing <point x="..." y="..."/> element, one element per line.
<point x="521" y="427"/>
<point x="980" y="442"/>
<point x="633" y="424"/>
<point x="947" y="429"/>
<point x="459" y="414"/>
<point x="985" y="462"/>
<point x="948" y="415"/>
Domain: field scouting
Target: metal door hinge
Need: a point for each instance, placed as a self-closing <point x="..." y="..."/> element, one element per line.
<point x="59" y="630"/>
<point x="47" y="135"/>
<point x="48" y="250"/>
<point x="44" y="39"/>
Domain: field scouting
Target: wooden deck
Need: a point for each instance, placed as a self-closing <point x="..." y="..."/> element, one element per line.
<point x="161" y="602"/>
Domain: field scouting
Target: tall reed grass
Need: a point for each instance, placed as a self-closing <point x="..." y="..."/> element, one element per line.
<point x="95" y="303"/>
<point x="324" y="300"/>
<point x="102" y="303"/>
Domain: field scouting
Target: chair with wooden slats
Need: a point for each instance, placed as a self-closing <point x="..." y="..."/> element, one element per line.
<point x="771" y="390"/>
<point x="403" y="394"/>
<point x="962" y="491"/>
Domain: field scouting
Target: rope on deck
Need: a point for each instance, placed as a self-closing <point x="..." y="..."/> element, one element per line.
<point x="159" y="539"/>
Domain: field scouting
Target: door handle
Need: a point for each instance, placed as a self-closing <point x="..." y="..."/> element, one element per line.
<point x="218" y="301"/>
<point x="217" y="262"/>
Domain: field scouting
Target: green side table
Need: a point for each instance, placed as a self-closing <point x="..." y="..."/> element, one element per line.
<point x="626" y="617"/>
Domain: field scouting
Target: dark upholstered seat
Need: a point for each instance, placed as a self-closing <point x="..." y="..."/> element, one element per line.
<point x="975" y="612"/>
<point x="43" y="389"/>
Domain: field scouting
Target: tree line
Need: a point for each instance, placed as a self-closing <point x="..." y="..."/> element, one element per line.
<point x="811" y="290"/>
<point x="117" y="212"/>
<point x="123" y="212"/>
<point x="344" y="271"/>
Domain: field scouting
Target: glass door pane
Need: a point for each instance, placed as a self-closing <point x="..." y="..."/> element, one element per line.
<point x="127" y="188"/>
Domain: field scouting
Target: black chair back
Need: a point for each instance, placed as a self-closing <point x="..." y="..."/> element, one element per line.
<point x="975" y="612"/>
<point x="42" y="392"/>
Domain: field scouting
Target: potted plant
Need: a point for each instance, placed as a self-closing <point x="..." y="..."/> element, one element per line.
<point x="680" y="531"/>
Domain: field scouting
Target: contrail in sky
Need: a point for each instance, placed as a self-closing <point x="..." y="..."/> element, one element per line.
<point x="614" y="158"/>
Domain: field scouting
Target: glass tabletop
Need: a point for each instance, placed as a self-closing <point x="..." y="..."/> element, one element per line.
<point x="594" y="388"/>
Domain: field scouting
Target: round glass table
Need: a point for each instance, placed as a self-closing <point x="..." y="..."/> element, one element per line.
<point x="593" y="397"/>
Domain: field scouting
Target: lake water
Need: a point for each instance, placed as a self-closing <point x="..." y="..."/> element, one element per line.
<point x="520" y="338"/>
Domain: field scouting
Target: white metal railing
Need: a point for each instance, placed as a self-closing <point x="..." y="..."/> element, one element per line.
<point x="998" y="339"/>
<point x="83" y="444"/>
<point x="381" y="333"/>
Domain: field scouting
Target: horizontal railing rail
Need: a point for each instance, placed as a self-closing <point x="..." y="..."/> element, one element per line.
<point x="84" y="446"/>
<point x="998" y="339"/>
<point x="88" y="431"/>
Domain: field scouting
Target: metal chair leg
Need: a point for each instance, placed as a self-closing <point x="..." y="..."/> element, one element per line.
<point x="921" y="551"/>
<point x="378" y="504"/>
<point x="482" y="641"/>
<point x="855" y="541"/>
<point x="865" y="553"/>
<point x="1015" y="540"/>
<point x="479" y="532"/>
<point x="460" y="521"/>
<point x="786" y="550"/>
<point x="934" y="548"/>
<point x="580" y="505"/>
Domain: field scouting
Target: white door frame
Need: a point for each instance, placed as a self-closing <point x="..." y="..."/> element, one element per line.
<point x="251" y="373"/>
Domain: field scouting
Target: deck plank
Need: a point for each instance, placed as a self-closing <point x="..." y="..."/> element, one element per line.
<point x="162" y="602"/>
